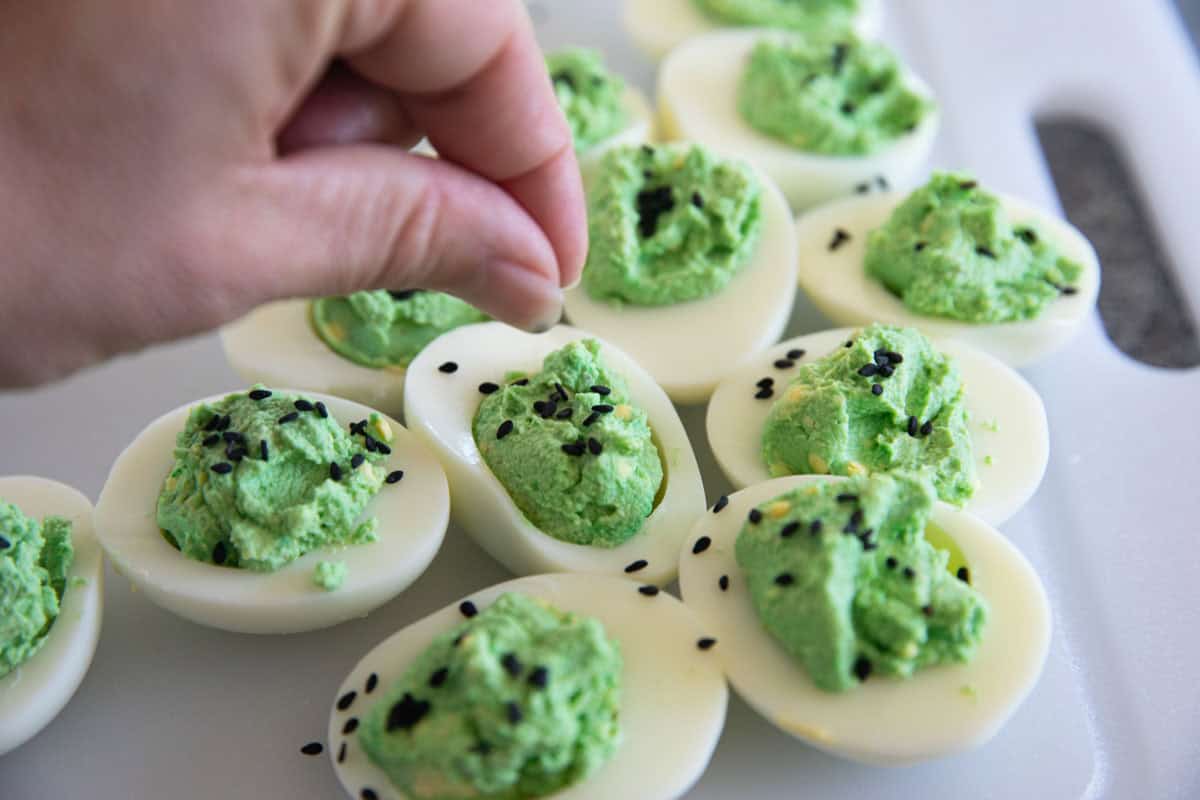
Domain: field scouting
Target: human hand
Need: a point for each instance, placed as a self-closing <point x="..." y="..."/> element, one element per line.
<point x="165" y="167"/>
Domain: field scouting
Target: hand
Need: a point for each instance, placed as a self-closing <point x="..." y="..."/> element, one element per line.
<point x="165" y="167"/>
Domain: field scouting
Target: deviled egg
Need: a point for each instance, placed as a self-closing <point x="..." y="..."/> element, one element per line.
<point x="355" y="347"/>
<point x="823" y="117"/>
<point x="863" y="618"/>
<point x="580" y="687"/>
<point x="657" y="26"/>
<point x="256" y="512"/>
<point x="51" y="599"/>
<point x="955" y="261"/>
<point x="563" y="454"/>
<point x="839" y="401"/>
<point x="691" y="266"/>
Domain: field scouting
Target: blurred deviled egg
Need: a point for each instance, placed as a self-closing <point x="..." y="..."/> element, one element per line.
<point x="691" y="268"/>
<point x="545" y="686"/>
<point x="865" y="618"/>
<point x="355" y="346"/>
<point x="263" y="512"/>
<point x="824" y="117"/>
<point x="51" y="599"/>
<point x="657" y="26"/>
<point x="563" y="454"/>
<point x="855" y="402"/>
<point x="954" y="260"/>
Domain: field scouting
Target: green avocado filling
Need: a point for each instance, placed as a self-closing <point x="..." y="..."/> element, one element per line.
<point x="34" y="562"/>
<point x="949" y="250"/>
<point x="517" y="702"/>
<point x="588" y="94"/>
<point x="330" y="575"/>
<point x="380" y="329"/>
<point x="838" y="98"/>
<point x="576" y="457"/>
<point x="261" y="478"/>
<point x="669" y="224"/>
<point x="831" y="418"/>
<point x="843" y="578"/>
<point x="810" y="16"/>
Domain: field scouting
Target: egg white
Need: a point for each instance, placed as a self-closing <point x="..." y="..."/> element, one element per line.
<point x="412" y="514"/>
<point x="698" y="101"/>
<point x="1005" y="418"/>
<point x="884" y="721"/>
<point x="673" y="695"/>
<point x="657" y="26"/>
<point x="837" y="282"/>
<point x="36" y="691"/>
<point x="638" y="130"/>
<point x="441" y="408"/>
<point x="689" y="347"/>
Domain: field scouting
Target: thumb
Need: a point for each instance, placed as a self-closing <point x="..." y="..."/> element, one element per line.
<point x="339" y="220"/>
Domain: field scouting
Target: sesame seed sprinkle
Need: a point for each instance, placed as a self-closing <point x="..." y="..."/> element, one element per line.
<point x="764" y="393"/>
<point x="784" y="579"/>
<point x="351" y="726"/>
<point x="636" y="566"/>
<point x="706" y="643"/>
<point x="927" y="428"/>
<point x="603" y="391"/>
<point x="313" y="749"/>
<point x="539" y="678"/>
<point x="927" y="610"/>
<point x="648" y="590"/>
<point x="764" y="383"/>
<point x="789" y="530"/>
<point x="603" y="408"/>
<point x="702" y="544"/>
<point x="4" y="543"/>
<point x="259" y="394"/>
<point x="512" y="665"/>
<point x="891" y="562"/>
<point x="877" y="389"/>
<point x="448" y="367"/>
<point x="505" y="429"/>
<point x="341" y="756"/>
<point x="345" y="701"/>
<point x="909" y="573"/>
<point x="372" y="682"/>
<point x="986" y="252"/>
<point x="862" y="668"/>
<point x="784" y="363"/>
<point x="487" y="387"/>
<point x="218" y="554"/>
<point x="211" y="440"/>
<point x="815" y="527"/>
<point x="574" y="448"/>
<point x="303" y="405"/>
<point x="964" y="575"/>
<point x="795" y="354"/>
<point x="438" y="678"/>
<point x="868" y="370"/>
<point x="919" y="246"/>
<point x="594" y="446"/>
<point x="467" y="609"/>
<point x="520" y="382"/>
<point x="513" y="712"/>
<point x="335" y="471"/>
<point x="847" y="498"/>
<point x="264" y="450"/>
<point x="913" y="426"/>
<point x="564" y="413"/>
<point x="591" y="419"/>
<point x="723" y="582"/>
<point x="322" y="412"/>
<point x="755" y="516"/>
<point x="395" y="476"/>
<point x="406" y="713"/>
<point x="719" y="506"/>
<point x="222" y="468"/>
<point x="968" y="185"/>
<point x="840" y="237"/>
<point x="291" y="416"/>
<point x="357" y="460"/>
<point x="368" y="794"/>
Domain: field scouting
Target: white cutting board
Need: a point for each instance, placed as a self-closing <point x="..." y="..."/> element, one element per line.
<point x="172" y="710"/>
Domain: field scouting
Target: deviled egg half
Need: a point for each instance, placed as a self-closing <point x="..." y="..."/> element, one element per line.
<point x="657" y="26"/>
<point x="824" y="117"/>
<point x="563" y="454"/>
<point x="955" y="261"/>
<point x="691" y="266"/>
<point x="579" y="687"/>
<point x="866" y="619"/>
<point x="854" y="402"/>
<point x="51" y="601"/>
<point x="262" y="512"/>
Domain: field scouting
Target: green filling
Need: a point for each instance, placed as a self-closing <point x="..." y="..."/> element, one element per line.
<point x="867" y="594"/>
<point x="810" y="16"/>
<point x="829" y="420"/>
<point x="589" y="95"/>
<point x="330" y="575"/>
<point x="518" y="702"/>
<point x="387" y="329"/>
<point x="843" y="98"/>
<point x="949" y="250"/>
<point x="222" y="503"/>
<point x="589" y="476"/>
<point x="34" y="562"/>
<point x="669" y="224"/>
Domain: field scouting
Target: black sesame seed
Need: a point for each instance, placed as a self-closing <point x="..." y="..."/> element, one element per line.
<point x="796" y="354"/>
<point x="877" y="389"/>
<point x="868" y="370"/>
<point x="212" y="423"/>
<point x="291" y="416"/>
<point x="594" y="446"/>
<point x="964" y="575"/>
<point x="847" y="498"/>
<point x="986" y="252"/>
<point x="564" y="413"/>
<point x="224" y="423"/>
<point x="764" y="393"/>
<point x="840" y="237"/>
<point x="968" y="185"/>
<point x="603" y="391"/>
<point x="351" y="726"/>
<point x="882" y="182"/>
<point x="372" y="682"/>
<point x="561" y="392"/>
<point x="513" y="712"/>
<point x="358" y="428"/>
<point x="512" y="665"/>
<point x="755" y="516"/>
<point x="815" y="527"/>
<point x="520" y="382"/>
<point x="789" y="530"/>
<point x="895" y="357"/>
<point x="719" y="506"/>
<point x="765" y="382"/>
<point x="218" y="554"/>
<point x="345" y="701"/>
<point x="887" y="371"/>
<point x="697" y="200"/>
<point x="849" y="343"/>
<point x="235" y="453"/>
<point x="395" y="476"/>
<point x="487" y="387"/>
<point x="784" y="363"/>
<point x="927" y="610"/>
<point x="927" y="428"/>
<point x="263" y="451"/>
<point x="438" y="678"/>
<point x="222" y="468"/>
<point x="467" y="609"/>
<point x="1027" y="235"/>
<point x="909" y="573"/>
<point x="706" y="643"/>
<point x="876" y="86"/>
<point x="913" y="426"/>
<point x="539" y="677"/>
<point x="862" y="188"/>
<point x="335" y="471"/>
<point x="702" y="544"/>
<point x="4" y="543"/>
<point x="505" y="429"/>
<point x="539" y="407"/>
<point x="233" y="437"/>
<point x="404" y="294"/>
<point x="303" y="405"/>
<point x="322" y="412"/>
<point x="448" y="367"/>
<point x="651" y="204"/>
<point x="368" y="794"/>
<point x="784" y="579"/>
<point x="637" y="566"/>
<point x="357" y="460"/>
<point x="840" y="51"/>
<point x="574" y="448"/>
<point x="313" y="749"/>
<point x="211" y="439"/>
<point x="862" y="668"/>
<point x="723" y="582"/>
<point x="406" y="713"/>
<point x="919" y="246"/>
<point x="848" y="108"/>
<point x="602" y="408"/>
<point x="591" y="419"/>
<point x="259" y="394"/>
<point x="1068" y="290"/>
<point x="341" y="757"/>
<point x="891" y="562"/>
<point x="648" y="590"/>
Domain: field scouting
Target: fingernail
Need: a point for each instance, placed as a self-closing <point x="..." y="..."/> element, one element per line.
<point x="549" y="321"/>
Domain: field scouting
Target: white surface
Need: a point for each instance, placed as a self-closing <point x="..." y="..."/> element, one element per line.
<point x="673" y="694"/>
<point x="441" y="411"/>
<point x="883" y="721"/>
<point x="1005" y="419"/>
<point x="698" y="101"/>
<point x="173" y="710"/>
<point x="412" y="515"/>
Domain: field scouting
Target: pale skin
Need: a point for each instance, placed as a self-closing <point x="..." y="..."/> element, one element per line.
<point x="166" y="167"/>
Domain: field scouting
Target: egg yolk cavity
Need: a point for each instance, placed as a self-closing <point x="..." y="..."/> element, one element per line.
<point x="949" y="250"/>
<point x="261" y="478"/>
<point x="886" y="401"/>
<point x="518" y="701"/>
<point x="843" y="578"/>
<point x="34" y="561"/>
<point x="588" y="94"/>
<point x="380" y="329"/>
<point x="669" y="224"/>
<point x="841" y="98"/>
<point x="575" y="455"/>
<point x="802" y="15"/>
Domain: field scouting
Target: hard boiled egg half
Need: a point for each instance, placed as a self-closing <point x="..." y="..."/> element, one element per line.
<point x="673" y="697"/>
<point x="940" y="710"/>
<point x="832" y="246"/>
<point x="1005" y="416"/>
<point x="656" y="26"/>
<point x="413" y="513"/>
<point x="698" y="101"/>
<point x="441" y="398"/>
<point x="36" y="691"/>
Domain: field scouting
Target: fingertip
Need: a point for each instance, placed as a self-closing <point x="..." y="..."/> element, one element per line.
<point x="553" y="195"/>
